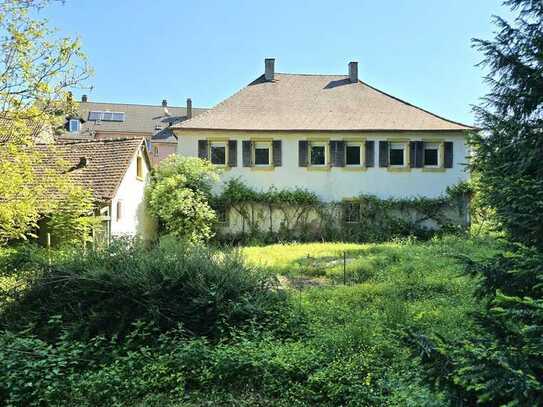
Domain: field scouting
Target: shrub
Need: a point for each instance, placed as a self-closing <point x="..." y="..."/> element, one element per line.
<point x="107" y="290"/>
<point x="178" y="197"/>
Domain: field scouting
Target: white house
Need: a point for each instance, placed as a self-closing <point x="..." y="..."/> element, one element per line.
<point x="115" y="170"/>
<point x="331" y="134"/>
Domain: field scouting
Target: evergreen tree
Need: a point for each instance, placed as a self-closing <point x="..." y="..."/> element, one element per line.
<point x="504" y="364"/>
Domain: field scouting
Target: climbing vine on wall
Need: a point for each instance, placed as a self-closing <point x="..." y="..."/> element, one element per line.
<point x="298" y="214"/>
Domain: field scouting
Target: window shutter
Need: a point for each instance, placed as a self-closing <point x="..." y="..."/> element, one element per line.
<point x="369" y="159"/>
<point x="276" y="153"/>
<point x="247" y="148"/>
<point x="419" y="148"/>
<point x="383" y="154"/>
<point x="203" y="150"/>
<point x="337" y="153"/>
<point x="232" y="153"/>
<point x="340" y="154"/>
<point x="416" y="152"/>
<point x="448" y="145"/>
<point x="303" y="146"/>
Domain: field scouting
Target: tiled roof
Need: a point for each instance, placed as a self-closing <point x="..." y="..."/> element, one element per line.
<point x="39" y="131"/>
<point x="316" y="102"/>
<point x="106" y="162"/>
<point x="138" y="118"/>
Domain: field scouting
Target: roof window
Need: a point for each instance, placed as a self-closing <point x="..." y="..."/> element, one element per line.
<point x="107" y="116"/>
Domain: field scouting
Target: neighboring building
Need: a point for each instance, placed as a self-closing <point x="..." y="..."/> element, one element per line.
<point x="106" y="120"/>
<point x="332" y="134"/>
<point x="115" y="170"/>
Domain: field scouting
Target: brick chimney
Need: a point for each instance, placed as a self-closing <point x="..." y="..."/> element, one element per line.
<point x="269" y="69"/>
<point x="353" y="71"/>
<point x="189" y="108"/>
<point x="84" y="98"/>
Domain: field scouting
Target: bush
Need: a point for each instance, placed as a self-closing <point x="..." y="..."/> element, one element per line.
<point x="105" y="291"/>
<point x="178" y="197"/>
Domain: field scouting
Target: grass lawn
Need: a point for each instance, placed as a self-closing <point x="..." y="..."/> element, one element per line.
<point x="410" y="283"/>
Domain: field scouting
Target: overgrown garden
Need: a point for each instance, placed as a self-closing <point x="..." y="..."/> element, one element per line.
<point x="449" y="320"/>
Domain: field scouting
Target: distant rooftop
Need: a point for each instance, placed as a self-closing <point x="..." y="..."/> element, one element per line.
<point x="128" y="118"/>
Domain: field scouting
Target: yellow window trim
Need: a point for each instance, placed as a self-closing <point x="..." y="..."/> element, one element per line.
<point x="319" y="140"/>
<point x="217" y="140"/>
<point x="399" y="169"/>
<point x="362" y="165"/>
<point x="441" y="159"/>
<point x="270" y="166"/>
<point x="433" y="169"/>
<point x="262" y="168"/>
<point x="407" y="166"/>
<point x="326" y="167"/>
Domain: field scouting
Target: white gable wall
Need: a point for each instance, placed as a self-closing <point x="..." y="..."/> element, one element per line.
<point x="336" y="184"/>
<point x="130" y="194"/>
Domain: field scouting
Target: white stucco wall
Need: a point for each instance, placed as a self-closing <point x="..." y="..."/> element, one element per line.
<point x="130" y="194"/>
<point x="338" y="183"/>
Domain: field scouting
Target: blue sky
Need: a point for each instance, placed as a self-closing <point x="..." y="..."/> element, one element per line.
<point x="143" y="51"/>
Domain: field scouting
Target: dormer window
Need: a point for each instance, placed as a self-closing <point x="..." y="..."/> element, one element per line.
<point x="74" y="125"/>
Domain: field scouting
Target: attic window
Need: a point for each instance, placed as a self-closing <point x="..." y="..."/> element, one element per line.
<point x="98" y="115"/>
<point x="74" y="125"/>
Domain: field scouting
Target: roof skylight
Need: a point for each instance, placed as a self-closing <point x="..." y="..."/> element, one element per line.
<point x="106" y="116"/>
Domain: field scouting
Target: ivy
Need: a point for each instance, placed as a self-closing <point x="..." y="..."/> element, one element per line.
<point x="305" y="217"/>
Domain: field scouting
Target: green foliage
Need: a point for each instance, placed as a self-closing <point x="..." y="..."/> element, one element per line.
<point x="178" y="197"/>
<point x="349" y="350"/>
<point x="34" y="95"/>
<point x="502" y="362"/>
<point x="508" y="154"/>
<point x="305" y="217"/>
<point x="105" y="291"/>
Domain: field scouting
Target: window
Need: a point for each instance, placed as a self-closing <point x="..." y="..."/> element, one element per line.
<point x="262" y="153"/>
<point x="139" y="167"/>
<point x="98" y="115"/>
<point x="317" y="154"/>
<point x="218" y="153"/>
<point x="397" y="154"/>
<point x="431" y="154"/>
<point x="119" y="210"/>
<point x="222" y="213"/>
<point x="351" y="212"/>
<point x="353" y="154"/>
<point x="74" y="125"/>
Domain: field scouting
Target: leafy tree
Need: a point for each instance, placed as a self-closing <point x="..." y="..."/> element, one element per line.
<point x="178" y="196"/>
<point x="504" y="365"/>
<point x="37" y="71"/>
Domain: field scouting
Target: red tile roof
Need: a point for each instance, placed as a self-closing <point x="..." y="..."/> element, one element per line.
<point x="106" y="162"/>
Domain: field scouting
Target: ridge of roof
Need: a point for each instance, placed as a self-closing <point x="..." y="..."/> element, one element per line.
<point x="137" y="104"/>
<point x="103" y="140"/>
